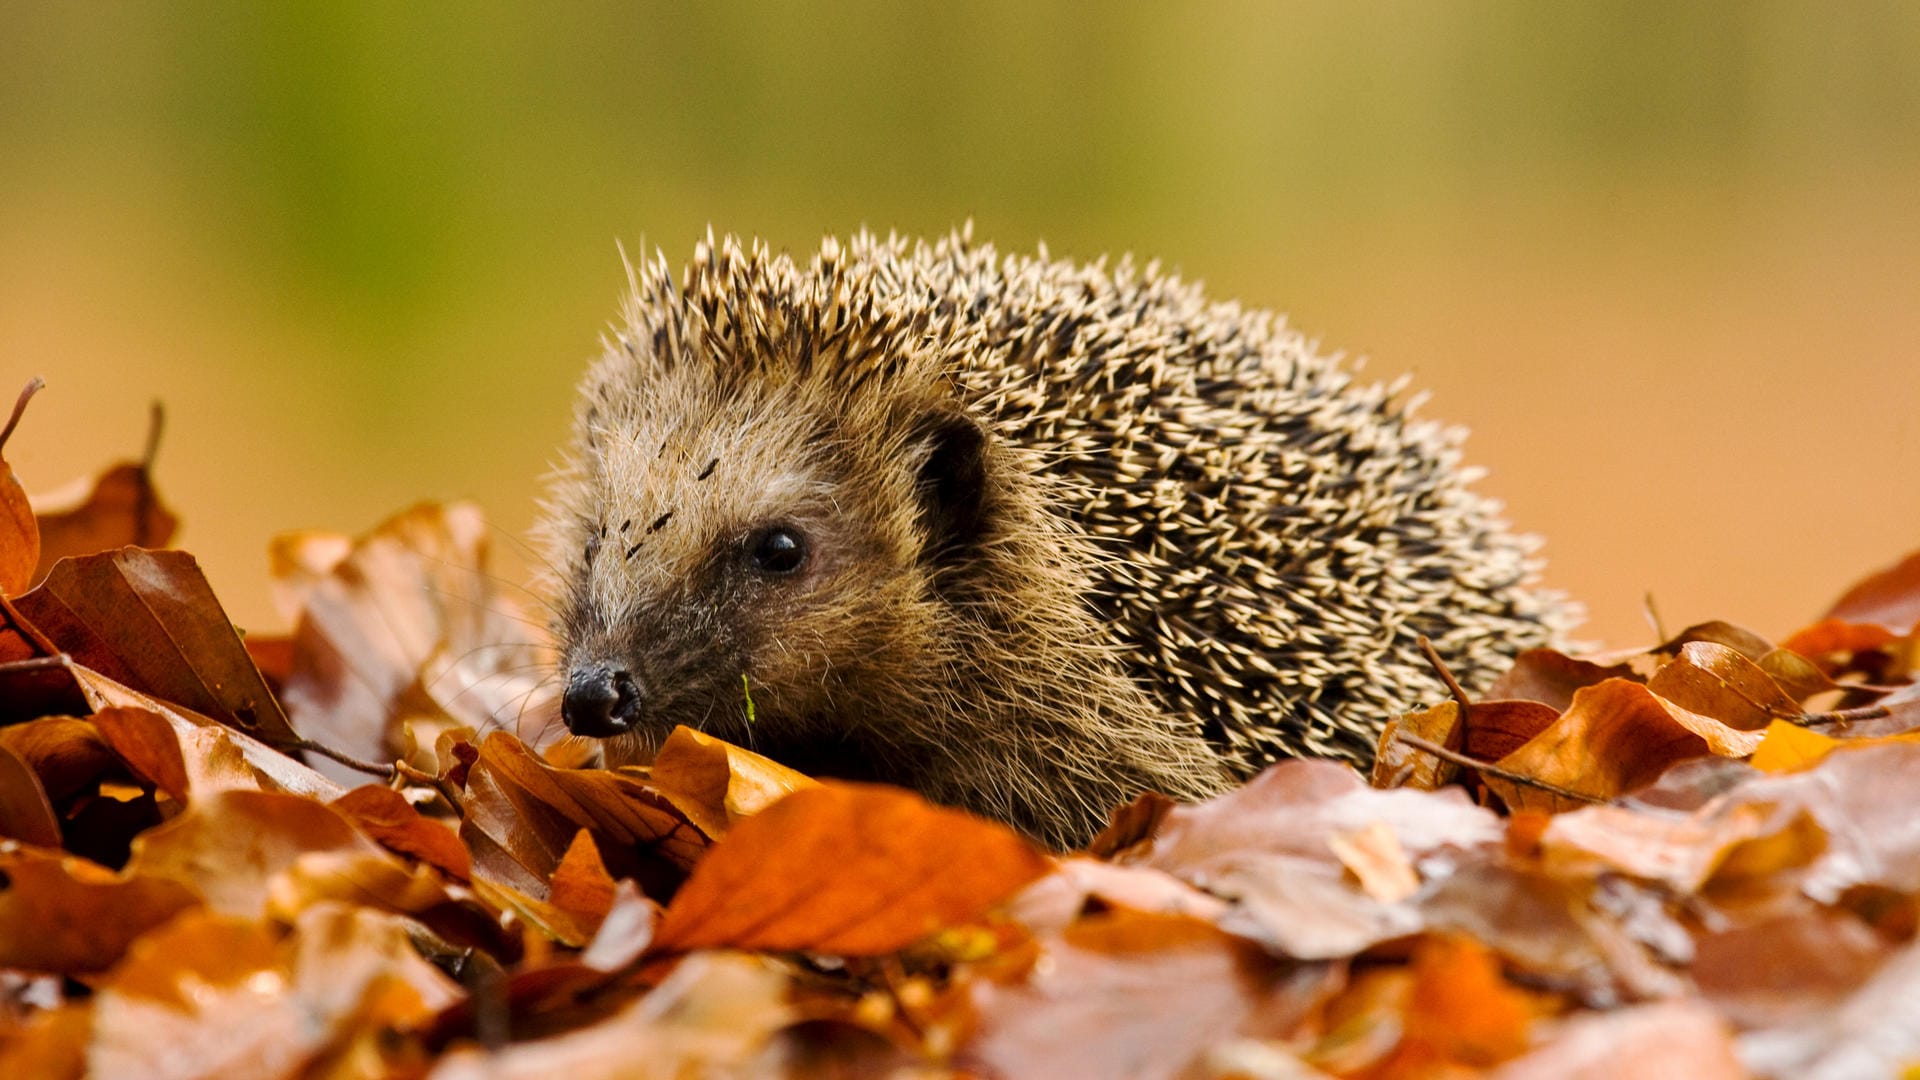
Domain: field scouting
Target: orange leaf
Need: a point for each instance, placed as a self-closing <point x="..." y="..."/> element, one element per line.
<point x="715" y="783"/>
<point x="1461" y="1007"/>
<point x="19" y="530"/>
<point x="386" y="816"/>
<point x="69" y="916"/>
<point x="849" y="869"/>
<point x="581" y="886"/>
<point x="1617" y="736"/>
<point x="1717" y="681"/>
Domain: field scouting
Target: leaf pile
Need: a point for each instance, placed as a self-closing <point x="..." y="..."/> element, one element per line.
<point x="362" y="851"/>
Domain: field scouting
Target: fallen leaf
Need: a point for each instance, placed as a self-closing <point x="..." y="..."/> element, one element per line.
<point x="1551" y="677"/>
<point x="581" y="885"/>
<point x="1127" y="994"/>
<point x="407" y="621"/>
<point x="1889" y="598"/>
<point x="1461" y="1011"/>
<point x="1716" y="681"/>
<point x="531" y="812"/>
<point x="386" y="816"/>
<point x="65" y="915"/>
<point x="122" y="509"/>
<point x="1374" y="856"/>
<point x="1681" y="1040"/>
<point x="149" y="620"/>
<point x="1616" y="737"/>
<point x="19" y="530"/>
<point x="214" y="996"/>
<point x="713" y="1016"/>
<point x="714" y="783"/>
<point x="846" y="869"/>
<point x="26" y="814"/>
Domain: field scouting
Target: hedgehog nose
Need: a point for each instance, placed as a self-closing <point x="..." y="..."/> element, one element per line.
<point x="600" y="702"/>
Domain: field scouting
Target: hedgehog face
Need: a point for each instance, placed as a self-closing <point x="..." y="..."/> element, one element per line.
<point x="732" y="556"/>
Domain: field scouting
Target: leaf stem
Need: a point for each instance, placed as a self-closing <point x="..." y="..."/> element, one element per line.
<point x="20" y="406"/>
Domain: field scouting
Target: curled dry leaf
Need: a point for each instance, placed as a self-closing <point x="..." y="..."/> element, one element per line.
<point x="1889" y="599"/>
<point x="1617" y="736"/>
<point x="1716" y="681"/>
<point x="149" y="620"/>
<point x="215" y="996"/>
<point x="68" y="916"/>
<point x="713" y="1016"/>
<point x="407" y="622"/>
<point x="386" y="816"/>
<point x="26" y="814"/>
<point x="1551" y="677"/>
<point x="715" y="783"/>
<point x="531" y="812"/>
<point x="19" y="530"/>
<point x="847" y="869"/>
<point x="121" y="509"/>
<point x="1128" y="994"/>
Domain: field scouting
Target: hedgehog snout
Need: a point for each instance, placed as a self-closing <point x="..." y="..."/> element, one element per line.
<point x="600" y="701"/>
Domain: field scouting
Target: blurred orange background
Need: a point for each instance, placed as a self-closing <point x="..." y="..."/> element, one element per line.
<point x="1664" y="260"/>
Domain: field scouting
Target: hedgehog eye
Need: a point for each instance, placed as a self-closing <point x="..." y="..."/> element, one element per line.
<point x="777" y="550"/>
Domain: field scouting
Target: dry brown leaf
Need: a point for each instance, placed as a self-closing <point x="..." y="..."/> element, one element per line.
<point x="216" y="758"/>
<point x="403" y="622"/>
<point x="1830" y="636"/>
<point x="1681" y="1040"/>
<point x="66" y="915"/>
<point x="1375" y="857"/>
<point x="149" y="620"/>
<point x="65" y="753"/>
<point x="530" y="811"/>
<point x="1396" y="764"/>
<point x="1461" y="1011"/>
<point x="1551" y="678"/>
<point x="1127" y="994"/>
<point x="715" y="783"/>
<point x="150" y="747"/>
<point x="26" y="814"/>
<point x="847" y="869"/>
<point x="213" y="996"/>
<point x="386" y="816"/>
<point x="714" y="1016"/>
<point x="1889" y="598"/>
<point x="19" y="530"/>
<point x="1616" y="737"/>
<point x="1715" y="680"/>
<point x="121" y="509"/>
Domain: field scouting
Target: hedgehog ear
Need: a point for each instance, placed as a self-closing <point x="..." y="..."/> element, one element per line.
<point x="952" y="484"/>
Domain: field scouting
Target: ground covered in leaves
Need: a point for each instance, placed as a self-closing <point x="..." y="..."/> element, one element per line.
<point x="360" y="851"/>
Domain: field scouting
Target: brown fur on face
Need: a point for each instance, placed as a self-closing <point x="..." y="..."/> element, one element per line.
<point x="1072" y="532"/>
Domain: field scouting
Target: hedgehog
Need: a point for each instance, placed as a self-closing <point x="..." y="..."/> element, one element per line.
<point x="1026" y="535"/>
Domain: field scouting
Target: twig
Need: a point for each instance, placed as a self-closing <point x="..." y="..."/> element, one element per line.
<point x="143" y="500"/>
<point x="1453" y="685"/>
<point x="351" y="762"/>
<point x="1489" y="769"/>
<point x="1652" y="612"/>
<point x="1842" y="717"/>
<point x="156" y="421"/>
<point x="404" y="771"/>
<point x="20" y="406"/>
<point x="37" y="663"/>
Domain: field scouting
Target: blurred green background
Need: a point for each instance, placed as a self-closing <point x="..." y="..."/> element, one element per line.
<point x="1663" y="259"/>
